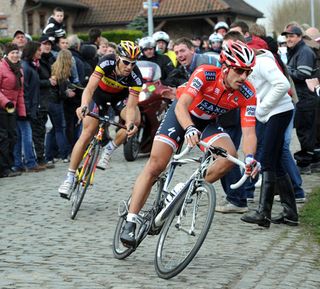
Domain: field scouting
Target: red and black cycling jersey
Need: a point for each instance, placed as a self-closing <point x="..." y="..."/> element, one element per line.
<point x="113" y="84"/>
<point x="211" y="98"/>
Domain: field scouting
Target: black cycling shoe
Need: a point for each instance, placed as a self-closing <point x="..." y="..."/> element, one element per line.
<point x="127" y="236"/>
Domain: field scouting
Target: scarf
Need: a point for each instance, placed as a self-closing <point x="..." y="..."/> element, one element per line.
<point x="16" y="69"/>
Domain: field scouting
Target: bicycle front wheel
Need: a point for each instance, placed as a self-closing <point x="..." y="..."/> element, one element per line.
<point x="84" y="180"/>
<point x="184" y="231"/>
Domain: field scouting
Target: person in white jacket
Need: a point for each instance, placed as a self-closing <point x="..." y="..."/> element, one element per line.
<point x="274" y="110"/>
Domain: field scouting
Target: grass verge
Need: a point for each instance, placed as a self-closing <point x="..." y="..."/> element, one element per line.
<point x="310" y="214"/>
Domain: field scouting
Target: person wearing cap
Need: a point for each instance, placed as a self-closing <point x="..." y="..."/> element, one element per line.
<point x="46" y="85"/>
<point x="11" y="105"/>
<point x="19" y="38"/>
<point x="301" y="65"/>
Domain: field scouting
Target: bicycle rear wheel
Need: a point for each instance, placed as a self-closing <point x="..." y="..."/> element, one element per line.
<point x="120" y="251"/>
<point x="84" y="180"/>
<point x="184" y="231"/>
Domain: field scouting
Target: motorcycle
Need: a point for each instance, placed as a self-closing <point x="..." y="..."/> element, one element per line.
<point x="153" y="106"/>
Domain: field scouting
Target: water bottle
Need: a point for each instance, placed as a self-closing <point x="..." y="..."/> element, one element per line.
<point x="174" y="192"/>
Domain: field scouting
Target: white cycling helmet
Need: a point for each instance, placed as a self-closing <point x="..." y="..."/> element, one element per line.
<point x="161" y="35"/>
<point x="221" y="24"/>
<point x="215" y="37"/>
<point x="147" y="42"/>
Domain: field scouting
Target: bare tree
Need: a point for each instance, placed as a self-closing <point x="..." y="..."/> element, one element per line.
<point x="293" y="10"/>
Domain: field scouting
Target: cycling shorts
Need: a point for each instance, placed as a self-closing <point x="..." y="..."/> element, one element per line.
<point x="104" y="100"/>
<point x="171" y="132"/>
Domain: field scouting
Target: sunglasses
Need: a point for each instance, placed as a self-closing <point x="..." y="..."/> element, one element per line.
<point x="127" y="63"/>
<point x="240" y="71"/>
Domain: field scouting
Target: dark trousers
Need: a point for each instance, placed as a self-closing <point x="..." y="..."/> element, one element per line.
<point x="305" y="124"/>
<point x="38" y="126"/>
<point x="8" y="138"/>
<point x="72" y="129"/>
<point x="273" y="140"/>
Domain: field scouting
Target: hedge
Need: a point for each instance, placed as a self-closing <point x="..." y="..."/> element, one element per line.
<point x="112" y="35"/>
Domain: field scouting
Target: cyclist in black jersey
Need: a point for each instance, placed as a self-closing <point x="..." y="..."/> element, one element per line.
<point x="118" y="81"/>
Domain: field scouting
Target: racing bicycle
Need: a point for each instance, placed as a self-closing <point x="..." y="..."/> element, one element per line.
<point x="86" y="172"/>
<point x="184" y="222"/>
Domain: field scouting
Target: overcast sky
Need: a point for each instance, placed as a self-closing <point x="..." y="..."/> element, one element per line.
<point x="265" y="7"/>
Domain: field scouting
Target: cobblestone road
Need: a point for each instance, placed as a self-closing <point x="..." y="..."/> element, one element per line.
<point x="41" y="247"/>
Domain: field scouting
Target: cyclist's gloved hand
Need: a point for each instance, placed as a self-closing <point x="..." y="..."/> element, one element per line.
<point x="81" y="112"/>
<point x="252" y="166"/>
<point x="192" y="135"/>
<point x="131" y="129"/>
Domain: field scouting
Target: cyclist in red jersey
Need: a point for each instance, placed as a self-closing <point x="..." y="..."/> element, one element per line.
<point x="116" y="80"/>
<point x="210" y="92"/>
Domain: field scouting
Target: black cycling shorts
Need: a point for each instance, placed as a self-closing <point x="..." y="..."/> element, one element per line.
<point x="171" y="132"/>
<point x="103" y="101"/>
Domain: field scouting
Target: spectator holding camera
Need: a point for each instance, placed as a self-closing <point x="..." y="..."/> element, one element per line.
<point x="11" y="105"/>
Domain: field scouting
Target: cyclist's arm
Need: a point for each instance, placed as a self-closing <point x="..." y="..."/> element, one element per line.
<point x="182" y="112"/>
<point x="249" y="141"/>
<point x="131" y="109"/>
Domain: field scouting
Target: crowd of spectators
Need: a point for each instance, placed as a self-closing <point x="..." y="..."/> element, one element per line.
<point x="41" y="83"/>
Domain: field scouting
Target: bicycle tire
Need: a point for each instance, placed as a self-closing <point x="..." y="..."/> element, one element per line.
<point x="83" y="183"/>
<point x="174" y="252"/>
<point x="131" y="148"/>
<point x="120" y="251"/>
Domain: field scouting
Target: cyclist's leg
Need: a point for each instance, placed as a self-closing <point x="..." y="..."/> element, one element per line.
<point x="221" y="166"/>
<point x="165" y="142"/>
<point x="89" y="128"/>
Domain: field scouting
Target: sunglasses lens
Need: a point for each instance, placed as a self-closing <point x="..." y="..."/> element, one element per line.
<point x="240" y="71"/>
<point x="127" y="63"/>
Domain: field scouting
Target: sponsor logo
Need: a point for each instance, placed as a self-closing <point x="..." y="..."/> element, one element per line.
<point x="216" y="91"/>
<point x="250" y="110"/>
<point x="246" y="91"/>
<point x="210" y="108"/>
<point x="210" y="75"/>
<point x="196" y="83"/>
<point x="171" y="130"/>
<point x="106" y="63"/>
<point x="136" y="78"/>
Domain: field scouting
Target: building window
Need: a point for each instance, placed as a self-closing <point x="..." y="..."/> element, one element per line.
<point x="3" y="26"/>
<point x="30" y="23"/>
<point x="42" y="21"/>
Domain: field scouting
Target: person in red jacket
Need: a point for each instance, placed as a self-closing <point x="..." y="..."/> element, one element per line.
<point x="210" y="92"/>
<point x="11" y="104"/>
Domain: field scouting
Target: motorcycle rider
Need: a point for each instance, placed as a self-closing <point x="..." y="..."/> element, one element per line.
<point x="115" y="80"/>
<point x="222" y="28"/>
<point x="215" y="45"/>
<point x="148" y="53"/>
<point x="162" y="40"/>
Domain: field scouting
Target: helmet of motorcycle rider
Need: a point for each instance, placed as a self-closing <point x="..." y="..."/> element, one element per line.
<point x="237" y="54"/>
<point x="147" y="42"/>
<point x="161" y="35"/>
<point x="221" y="25"/>
<point x="128" y="49"/>
<point x="215" y="37"/>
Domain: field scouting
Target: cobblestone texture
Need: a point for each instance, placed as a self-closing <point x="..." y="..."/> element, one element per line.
<point x="41" y="247"/>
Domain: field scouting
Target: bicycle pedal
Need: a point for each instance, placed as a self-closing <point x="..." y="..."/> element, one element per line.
<point x="67" y="197"/>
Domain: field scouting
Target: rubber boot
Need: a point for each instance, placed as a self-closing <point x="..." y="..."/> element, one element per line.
<point x="262" y="216"/>
<point x="289" y="215"/>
